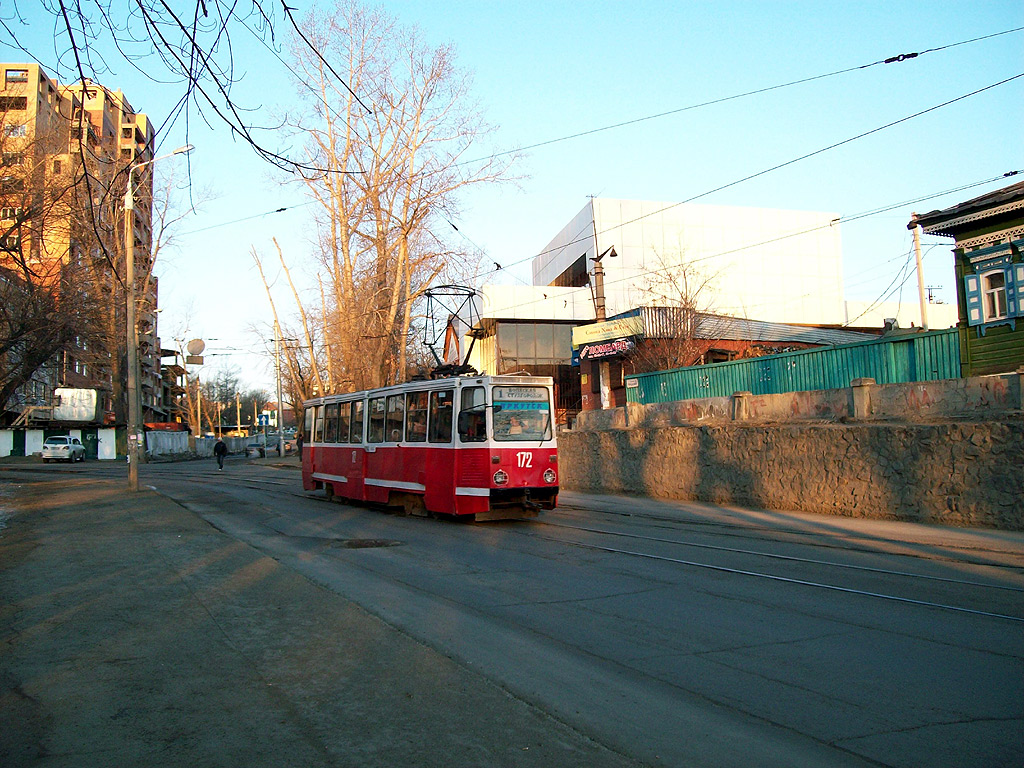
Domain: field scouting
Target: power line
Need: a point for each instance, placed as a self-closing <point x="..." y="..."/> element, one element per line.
<point x="890" y="60"/>
<point x="841" y="219"/>
<point x="787" y="163"/>
<point x="246" y="218"/>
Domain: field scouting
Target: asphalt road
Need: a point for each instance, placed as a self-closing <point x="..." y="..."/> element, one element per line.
<point x="676" y="634"/>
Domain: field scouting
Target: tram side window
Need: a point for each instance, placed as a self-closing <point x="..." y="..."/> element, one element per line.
<point x="441" y="416"/>
<point x="343" y="422"/>
<point x="318" y="425"/>
<point x="416" y="417"/>
<point x="357" y="421"/>
<point x="376" y="431"/>
<point x="308" y="421"/>
<point x="396" y="415"/>
<point x="331" y="426"/>
<point x="473" y="416"/>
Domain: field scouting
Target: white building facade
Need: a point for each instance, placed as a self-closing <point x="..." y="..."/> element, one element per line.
<point x="767" y="264"/>
<point x="756" y="263"/>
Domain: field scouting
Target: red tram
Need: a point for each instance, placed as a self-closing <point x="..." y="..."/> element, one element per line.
<point x="478" y="445"/>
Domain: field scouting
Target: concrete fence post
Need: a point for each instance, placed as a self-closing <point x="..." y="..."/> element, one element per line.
<point x="1020" y="387"/>
<point x="861" y="392"/>
<point x="740" y="405"/>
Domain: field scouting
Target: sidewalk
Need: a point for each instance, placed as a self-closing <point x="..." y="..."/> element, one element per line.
<point x="134" y="634"/>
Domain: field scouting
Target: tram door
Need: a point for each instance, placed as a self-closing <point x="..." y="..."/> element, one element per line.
<point x="315" y="438"/>
<point x="354" y="459"/>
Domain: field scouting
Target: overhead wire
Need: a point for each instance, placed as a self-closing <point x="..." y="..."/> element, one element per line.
<point x="757" y="91"/>
<point x="894" y="59"/>
<point x="891" y="59"/>
<point x="793" y="161"/>
<point x="833" y="222"/>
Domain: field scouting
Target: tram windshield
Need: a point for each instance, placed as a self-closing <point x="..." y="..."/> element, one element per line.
<point x="521" y="413"/>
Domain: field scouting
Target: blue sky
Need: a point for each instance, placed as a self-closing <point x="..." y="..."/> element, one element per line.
<point x="546" y="70"/>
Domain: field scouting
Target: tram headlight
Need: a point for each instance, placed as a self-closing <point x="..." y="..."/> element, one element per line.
<point x="500" y="477"/>
<point x="549" y="475"/>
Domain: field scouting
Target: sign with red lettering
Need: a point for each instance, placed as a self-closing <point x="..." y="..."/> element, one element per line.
<point x="606" y="349"/>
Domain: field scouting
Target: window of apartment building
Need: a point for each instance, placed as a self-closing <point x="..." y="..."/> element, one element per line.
<point x="126" y="133"/>
<point x="10" y="184"/>
<point x="12" y="159"/>
<point x="994" y="295"/>
<point x="16" y="131"/>
<point x="11" y="243"/>
<point x="11" y="103"/>
<point x="10" y="214"/>
<point x="15" y="76"/>
<point x="57" y="166"/>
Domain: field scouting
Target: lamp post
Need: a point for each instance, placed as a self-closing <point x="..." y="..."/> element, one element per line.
<point x="280" y="404"/>
<point x="135" y="435"/>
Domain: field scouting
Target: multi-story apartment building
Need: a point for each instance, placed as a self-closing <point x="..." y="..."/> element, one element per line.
<point x="67" y="150"/>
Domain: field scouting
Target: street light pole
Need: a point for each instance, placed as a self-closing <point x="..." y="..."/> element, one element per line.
<point x="135" y="435"/>
<point x="280" y="405"/>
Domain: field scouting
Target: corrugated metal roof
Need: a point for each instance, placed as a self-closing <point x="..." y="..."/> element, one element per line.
<point x="662" y="322"/>
<point x="933" y="221"/>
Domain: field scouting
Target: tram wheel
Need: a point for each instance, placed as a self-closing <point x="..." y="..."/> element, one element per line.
<point x="412" y="504"/>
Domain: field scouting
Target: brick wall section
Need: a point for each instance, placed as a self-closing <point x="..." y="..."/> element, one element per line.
<point x="953" y="473"/>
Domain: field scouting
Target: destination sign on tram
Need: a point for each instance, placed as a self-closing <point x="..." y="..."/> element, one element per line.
<point x="521" y="394"/>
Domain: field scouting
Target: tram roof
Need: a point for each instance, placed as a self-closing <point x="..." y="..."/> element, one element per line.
<point x="432" y="384"/>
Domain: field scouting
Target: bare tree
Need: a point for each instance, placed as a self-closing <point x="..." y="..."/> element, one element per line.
<point x="392" y="181"/>
<point x="189" y="49"/>
<point x="676" y="297"/>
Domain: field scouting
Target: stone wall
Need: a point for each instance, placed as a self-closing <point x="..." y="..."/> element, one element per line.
<point x="952" y="473"/>
<point x="979" y="397"/>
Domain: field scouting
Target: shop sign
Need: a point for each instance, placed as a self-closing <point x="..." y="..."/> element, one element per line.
<point x="606" y="330"/>
<point x="606" y="349"/>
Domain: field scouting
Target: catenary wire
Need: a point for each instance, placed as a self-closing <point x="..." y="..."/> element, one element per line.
<point x="890" y="60"/>
<point x="846" y="219"/>
<point x="793" y="161"/>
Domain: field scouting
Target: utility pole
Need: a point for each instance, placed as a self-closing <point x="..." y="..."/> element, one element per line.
<point x="920" y="272"/>
<point x="135" y="433"/>
<point x="238" y="410"/>
<point x="280" y="420"/>
<point x="132" y="337"/>
<point x="604" y="369"/>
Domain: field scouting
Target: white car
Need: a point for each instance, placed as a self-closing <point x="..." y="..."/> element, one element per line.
<point x="63" y="448"/>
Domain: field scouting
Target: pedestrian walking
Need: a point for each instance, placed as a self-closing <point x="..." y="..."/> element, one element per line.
<point x="298" y="444"/>
<point x="220" y="450"/>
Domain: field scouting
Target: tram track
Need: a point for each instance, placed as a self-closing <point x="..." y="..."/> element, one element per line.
<point x="791" y="558"/>
<point x="283" y="487"/>
<point x="775" y="577"/>
<point x="838" y="540"/>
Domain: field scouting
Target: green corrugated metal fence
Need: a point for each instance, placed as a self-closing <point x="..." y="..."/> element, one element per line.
<point x="917" y="357"/>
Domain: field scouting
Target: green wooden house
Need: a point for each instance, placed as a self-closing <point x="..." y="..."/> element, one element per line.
<point x="989" y="253"/>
